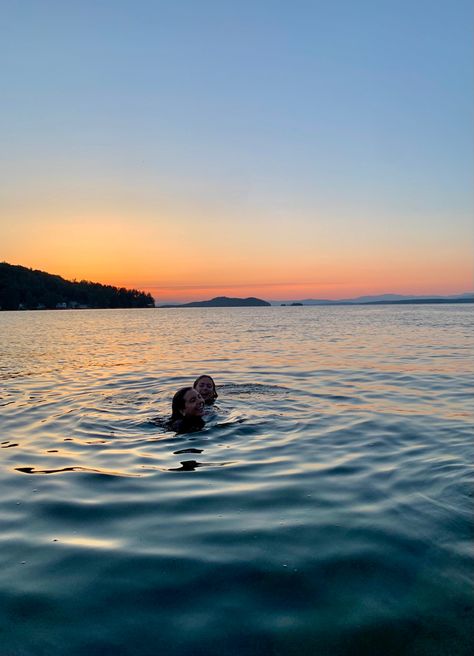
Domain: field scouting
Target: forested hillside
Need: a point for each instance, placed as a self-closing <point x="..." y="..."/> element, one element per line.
<point x="28" y="289"/>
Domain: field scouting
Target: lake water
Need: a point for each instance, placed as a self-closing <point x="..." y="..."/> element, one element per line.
<point x="326" y="508"/>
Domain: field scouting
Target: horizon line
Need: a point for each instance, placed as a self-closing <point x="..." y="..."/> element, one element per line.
<point x="336" y="300"/>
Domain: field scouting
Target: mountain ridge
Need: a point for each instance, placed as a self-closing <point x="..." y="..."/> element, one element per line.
<point x="383" y="298"/>
<point x="221" y="301"/>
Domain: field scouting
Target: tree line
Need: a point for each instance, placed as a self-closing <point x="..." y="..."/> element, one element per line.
<point x="28" y="289"/>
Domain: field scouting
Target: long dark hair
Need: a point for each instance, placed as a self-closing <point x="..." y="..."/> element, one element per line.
<point x="215" y="394"/>
<point x="177" y="404"/>
<point x="179" y="422"/>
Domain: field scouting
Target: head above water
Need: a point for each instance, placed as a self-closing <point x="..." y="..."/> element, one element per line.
<point x="206" y="387"/>
<point x="188" y="403"/>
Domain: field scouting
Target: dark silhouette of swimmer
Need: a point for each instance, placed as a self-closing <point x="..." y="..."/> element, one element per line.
<point x="206" y="387"/>
<point x="187" y="409"/>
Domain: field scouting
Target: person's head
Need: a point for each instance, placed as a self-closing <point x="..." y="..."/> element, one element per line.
<point x="206" y="388"/>
<point x="188" y="403"/>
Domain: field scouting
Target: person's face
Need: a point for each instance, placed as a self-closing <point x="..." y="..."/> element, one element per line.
<point x="193" y="404"/>
<point x="205" y="388"/>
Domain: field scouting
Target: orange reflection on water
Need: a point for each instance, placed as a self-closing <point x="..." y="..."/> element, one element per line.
<point x="88" y="542"/>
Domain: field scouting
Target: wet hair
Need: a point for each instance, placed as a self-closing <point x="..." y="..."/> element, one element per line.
<point x="178" y="421"/>
<point x="215" y="394"/>
<point x="177" y="404"/>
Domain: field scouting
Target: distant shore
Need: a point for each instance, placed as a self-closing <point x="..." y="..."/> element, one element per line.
<point x="29" y="289"/>
<point x="414" y="301"/>
<point x="22" y="289"/>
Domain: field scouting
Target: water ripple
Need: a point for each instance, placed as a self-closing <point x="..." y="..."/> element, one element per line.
<point x="326" y="508"/>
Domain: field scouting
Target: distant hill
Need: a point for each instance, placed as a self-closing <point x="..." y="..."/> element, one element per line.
<point x="385" y="299"/>
<point x="223" y="301"/>
<point x="28" y="289"/>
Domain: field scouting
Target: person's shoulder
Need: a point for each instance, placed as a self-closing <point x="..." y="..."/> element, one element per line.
<point x="186" y="425"/>
<point x="176" y="424"/>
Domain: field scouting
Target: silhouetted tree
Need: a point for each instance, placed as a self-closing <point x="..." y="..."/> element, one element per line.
<point x="28" y="288"/>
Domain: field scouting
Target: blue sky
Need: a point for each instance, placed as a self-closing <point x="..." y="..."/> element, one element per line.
<point x="336" y="125"/>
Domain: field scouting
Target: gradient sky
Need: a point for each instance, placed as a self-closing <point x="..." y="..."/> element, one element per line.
<point x="281" y="149"/>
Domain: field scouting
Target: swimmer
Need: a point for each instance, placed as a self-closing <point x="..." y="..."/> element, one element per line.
<point x="206" y="388"/>
<point x="187" y="409"/>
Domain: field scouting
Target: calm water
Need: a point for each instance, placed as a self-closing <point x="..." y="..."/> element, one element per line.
<point x="325" y="509"/>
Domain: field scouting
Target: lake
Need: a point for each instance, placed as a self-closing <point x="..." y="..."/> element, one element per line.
<point x="325" y="510"/>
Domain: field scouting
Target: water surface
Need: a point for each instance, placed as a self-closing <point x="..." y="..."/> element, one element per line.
<point x="326" y="509"/>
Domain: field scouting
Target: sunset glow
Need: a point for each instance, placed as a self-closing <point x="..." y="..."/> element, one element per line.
<point x="201" y="149"/>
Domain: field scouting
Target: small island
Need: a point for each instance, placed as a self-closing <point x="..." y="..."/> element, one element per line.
<point x="223" y="301"/>
<point x="28" y="289"/>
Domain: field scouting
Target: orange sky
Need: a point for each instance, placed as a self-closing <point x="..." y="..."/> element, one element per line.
<point x="181" y="260"/>
<point x="204" y="149"/>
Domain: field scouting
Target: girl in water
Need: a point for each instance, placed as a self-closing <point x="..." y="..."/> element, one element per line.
<point x="207" y="389"/>
<point x="187" y="409"/>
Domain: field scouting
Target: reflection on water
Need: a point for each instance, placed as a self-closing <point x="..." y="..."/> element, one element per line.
<point x="325" y="508"/>
<point x="33" y="470"/>
<point x="192" y="465"/>
<point x="88" y="542"/>
<point x="187" y="451"/>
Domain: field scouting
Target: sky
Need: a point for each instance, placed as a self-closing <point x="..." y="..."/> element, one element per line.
<point x="284" y="149"/>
